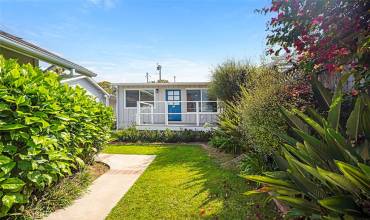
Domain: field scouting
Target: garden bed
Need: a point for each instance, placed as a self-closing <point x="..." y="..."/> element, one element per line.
<point x="64" y="193"/>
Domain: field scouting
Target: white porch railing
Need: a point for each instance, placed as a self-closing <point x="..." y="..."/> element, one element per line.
<point x="190" y="112"/>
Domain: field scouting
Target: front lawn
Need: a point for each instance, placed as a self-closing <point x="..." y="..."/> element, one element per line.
<point x="184" y="183"/>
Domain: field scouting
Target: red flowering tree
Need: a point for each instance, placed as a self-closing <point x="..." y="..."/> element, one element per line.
<point x="330" y="36"/>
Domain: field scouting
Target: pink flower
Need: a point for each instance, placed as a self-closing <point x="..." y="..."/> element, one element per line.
<point x="330" y="67"/>
<point x="280" y="15"/>
<point x="286" y="49"/>
<point x="343" y="51"/>
<point x="317" y="20"/>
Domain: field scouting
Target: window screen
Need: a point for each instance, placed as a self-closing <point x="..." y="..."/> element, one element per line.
<point x="132" y="97"/>
<point x="208" y="104"/>
<point x="144" y="95"/>
<point x="147" y="96"/>
<point x="192" y="96"/>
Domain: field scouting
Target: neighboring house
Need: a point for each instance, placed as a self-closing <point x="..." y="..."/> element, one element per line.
<point x="159" y="106"/>
<point x="92" y="88"/>
<point x="25" y="52"/>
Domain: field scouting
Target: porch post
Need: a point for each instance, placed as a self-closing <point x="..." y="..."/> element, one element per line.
<point x="197" y="111"/>
<point x="138" y="111"/>
<point x="166" y="112"/>
<point x="152" y="111"/>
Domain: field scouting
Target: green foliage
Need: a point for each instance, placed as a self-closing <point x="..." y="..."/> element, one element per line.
<point x="107" y="86"/>
<point x="322" y="173"/>
<point x="254" y="163"/>
<point x="229" y="135"/>
<point x="225" y="142"/>
<point x="47" y="131"/>
<point x="228" y="77"/>
<point x="133" y="135"/>
<point x="250" y="124"/>
<point x="58" y="196"/>
<point x="259" y="107"/>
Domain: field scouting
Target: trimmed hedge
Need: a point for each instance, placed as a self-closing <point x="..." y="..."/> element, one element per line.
<point x="166" y="136"/>
<point x="47" y="131"/>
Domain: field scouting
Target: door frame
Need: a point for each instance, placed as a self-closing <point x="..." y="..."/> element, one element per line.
<point x="171" y="117"/>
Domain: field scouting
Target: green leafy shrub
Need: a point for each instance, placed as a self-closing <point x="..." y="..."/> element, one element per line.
<point x="58" y="196"/>
<point x="324" y="173"/>
<point x="133" y="135"/>
<point x="228" y="77"/>
<point x="229" y="134"/>
<point x="252" y="122"/>
<point x="47" y="131"/>
<point x="225" y="143"/>
<point x="253" y="163"/>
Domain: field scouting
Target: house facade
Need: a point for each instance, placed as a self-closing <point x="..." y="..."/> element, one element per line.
<point x="13" y="47"/>
<point x="92" y="88"/>
<point x="159" y="106"/>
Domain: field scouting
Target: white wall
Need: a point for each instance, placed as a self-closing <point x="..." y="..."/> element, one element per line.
<point x="89" y="87"/>
<point x="126" y="117"/>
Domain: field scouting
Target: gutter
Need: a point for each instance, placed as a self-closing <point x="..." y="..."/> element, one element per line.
<point x="44" y="56"/>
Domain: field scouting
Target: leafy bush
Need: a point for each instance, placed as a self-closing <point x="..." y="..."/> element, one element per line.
<point x="225" y="143"/>
<point x="253" y="164"/>
<point x="63" y="194"/>
<point x="58" y="196"/>
<point x="229" y="135"/>
<point x="166" y="136"/>
<point x="227" y="79"/>
<point x="259" y="107"/>
<point x="325" y="173"/>
<point x="327" y="36"/>
<point x="47" y="131"/>
<point x="251" y="123"/>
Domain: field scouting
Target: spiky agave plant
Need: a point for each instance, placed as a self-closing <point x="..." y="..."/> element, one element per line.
<point x="323" y="174"/>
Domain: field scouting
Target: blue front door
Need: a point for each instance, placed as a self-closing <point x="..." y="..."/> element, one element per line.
<point x="174" y="105"/>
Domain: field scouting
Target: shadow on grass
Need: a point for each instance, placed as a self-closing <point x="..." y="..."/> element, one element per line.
<point x="213" y="185"/>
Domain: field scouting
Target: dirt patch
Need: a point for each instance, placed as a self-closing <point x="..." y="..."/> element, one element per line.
<point x="227" y="161"/>
<point x="97" y="169"/>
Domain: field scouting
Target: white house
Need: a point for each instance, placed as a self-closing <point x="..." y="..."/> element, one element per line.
<point x="159" y="106"/>
<point x="25" y="52"/>
<point x="92" y="88"/>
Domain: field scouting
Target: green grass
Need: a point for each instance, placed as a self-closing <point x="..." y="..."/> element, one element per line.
<point x="184" y="183"/>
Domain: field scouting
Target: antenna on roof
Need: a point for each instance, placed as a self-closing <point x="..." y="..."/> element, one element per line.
<point x="159" y="68"/>
<point x="147" y="77"/>
<point x="174" y="79"/>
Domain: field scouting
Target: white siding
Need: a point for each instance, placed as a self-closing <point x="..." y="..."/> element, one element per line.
<point x="89" y="87"/>
<point x="127" y="116"/>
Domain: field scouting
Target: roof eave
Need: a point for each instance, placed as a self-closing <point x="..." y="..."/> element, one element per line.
<point x="89" y="79"/>
<point x="41" y="55"/>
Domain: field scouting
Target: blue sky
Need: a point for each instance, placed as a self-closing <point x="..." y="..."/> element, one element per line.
<point x="121" y="40"/>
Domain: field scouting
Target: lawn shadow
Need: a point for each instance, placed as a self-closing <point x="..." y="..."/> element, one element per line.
<point x="221" y="186"/>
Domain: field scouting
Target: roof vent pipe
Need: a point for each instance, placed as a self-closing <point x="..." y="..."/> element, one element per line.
<point x="73" y="72"/>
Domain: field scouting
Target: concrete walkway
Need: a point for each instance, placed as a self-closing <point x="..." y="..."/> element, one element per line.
<point x="108" y="189"/>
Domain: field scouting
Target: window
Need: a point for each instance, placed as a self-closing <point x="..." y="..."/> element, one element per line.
<point x="192" y="96"/>
<point x="147" y="96"/>
<point x="143" y="95"/>
<point x="206" y="104"/>
<point x="132" y="96"/>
